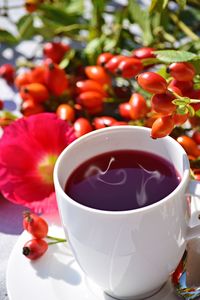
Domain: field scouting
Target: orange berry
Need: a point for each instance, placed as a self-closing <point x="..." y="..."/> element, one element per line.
<point x="36" y="91"/>
<point x="66" y="112"/>
<point x="162" y="127"/>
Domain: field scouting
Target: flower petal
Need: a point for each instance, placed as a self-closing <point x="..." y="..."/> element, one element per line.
<point x="25" y="144"/>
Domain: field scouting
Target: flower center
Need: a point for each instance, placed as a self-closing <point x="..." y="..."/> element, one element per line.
<point x="46" y="166"/>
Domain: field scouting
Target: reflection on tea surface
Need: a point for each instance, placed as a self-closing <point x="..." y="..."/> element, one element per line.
<point x="122" y="180"/>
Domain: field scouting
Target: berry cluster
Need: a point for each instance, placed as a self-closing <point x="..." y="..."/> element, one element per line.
<point x="165" y="94"/>
<point x="117" y="90"/>
<point x="38" y="228"/>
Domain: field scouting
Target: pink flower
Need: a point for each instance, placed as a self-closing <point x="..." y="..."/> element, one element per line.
<point x="29" y="148"/>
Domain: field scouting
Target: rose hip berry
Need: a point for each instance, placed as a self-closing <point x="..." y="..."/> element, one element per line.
<point x="82" y="126"/>
<point x="66" y="112"/>
<point x="144" y="52"/>
<point x="162" y="126"/>
<point x="162" y="103"/>
<point x="182" y="71"/>
<point x="37" y="91"/>
<point x="138" y="106"/>
<point x="152" y="82"/>
<point x="35" y="225"/>
<point x="103" y="121"/>
<point x="89" y="85"/>
<point x="7" y="71"/>
<point x="35" y="248"/>
<point x="55" y="51"/>
<point x="114" y="62"/>
<point x="129" y="67"/>
<point x="103" y="58"/>
<point x="189" y="145"/>
<point x="98" y="73"/>
<point x="55" y="79"/>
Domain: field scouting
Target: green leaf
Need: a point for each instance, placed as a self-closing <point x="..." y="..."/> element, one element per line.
<point x="197" y="113"/>
<point x="74" y="7"/>
<point x="109" y="44"/>
<point x="182" y="110"/>
<point x="149" y="61"/>
<point x="196" y="86"/>
<point x="25" y="27"/>
<point x="93" y="49"/>
<point x="67" y="58"/>
<point x="182" y="101"/>
<point x="7" y="37"/>
<point x="196" y="64"/>
<point x="97" y="20"/>
<point x="69" y="28"/>
<point x="158" y="5"/>
<point x="191" y="110"/>
<point x="142" y="18"/>
<point x="56" y="14"/>
<point x="170" y="56"/>
<point x="163" y="72"/>
<point x="181" y="3"/>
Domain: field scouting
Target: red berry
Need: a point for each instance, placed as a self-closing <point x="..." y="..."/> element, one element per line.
<point x="37" y="75"/>
<point x="196" y="137"/>
<point x="152" y="82"/>
<point x="182" y="71"/>
<point x="183" y="86"/>
<point x="37" y="91"/>
<point x="35" y="225"/>
<point x="138" y="106"/>
<point x="66" y="112"/>
<point x="103" y="58"/>
<point x="162" y="127"/>
<point x="124" y="110"/>
<point x="162" y="103"/>
<point x="104" y="121"/>
<point x="7" y="71"/>
<point x="22" y="79"/>
<point x="89" y="85"/>
<point x="90" y="99"/>
<point x="55" y="79"/>
<point x="29" y="107"/>
<point x="114" y="62"/>
<point x="145" y="52"/>
<point x="129" y="67"/>
<point x="82" y="126"/>
<point x="98" y="73"/>
<point x="34" y="248"/>
<point x="180" y="119"/>
<point x="189" y="145"/>
<point x="55" y="51"/>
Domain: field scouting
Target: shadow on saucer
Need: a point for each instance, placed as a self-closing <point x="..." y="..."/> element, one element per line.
<point x="57" y="264"/>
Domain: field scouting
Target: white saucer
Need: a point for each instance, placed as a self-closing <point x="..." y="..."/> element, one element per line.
<point x="56" y="276"/>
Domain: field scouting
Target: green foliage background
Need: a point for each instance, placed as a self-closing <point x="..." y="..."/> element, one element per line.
<point x="162" y="24"/>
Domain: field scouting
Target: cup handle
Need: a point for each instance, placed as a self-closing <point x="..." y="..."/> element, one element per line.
<point x="194" y="223"/>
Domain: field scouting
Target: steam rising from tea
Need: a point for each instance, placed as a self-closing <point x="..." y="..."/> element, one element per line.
<point x="122" y="180"/>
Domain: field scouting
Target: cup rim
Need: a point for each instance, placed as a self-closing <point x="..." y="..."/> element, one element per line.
<point x="65" y="197"/>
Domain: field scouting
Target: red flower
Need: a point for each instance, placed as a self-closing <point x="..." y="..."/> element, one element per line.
<point x="29" y="148"/>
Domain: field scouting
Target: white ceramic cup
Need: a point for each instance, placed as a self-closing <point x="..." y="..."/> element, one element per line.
<point x="130" y="254"/>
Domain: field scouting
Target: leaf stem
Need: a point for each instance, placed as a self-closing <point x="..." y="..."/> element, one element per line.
<point x="194" y="100"/>
<point x="59" y="240"/>
<point x="183" y="27"/>
<point x="55" y="242"/>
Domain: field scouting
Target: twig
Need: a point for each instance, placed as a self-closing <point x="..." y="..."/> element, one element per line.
<point x="184" y="27"/>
